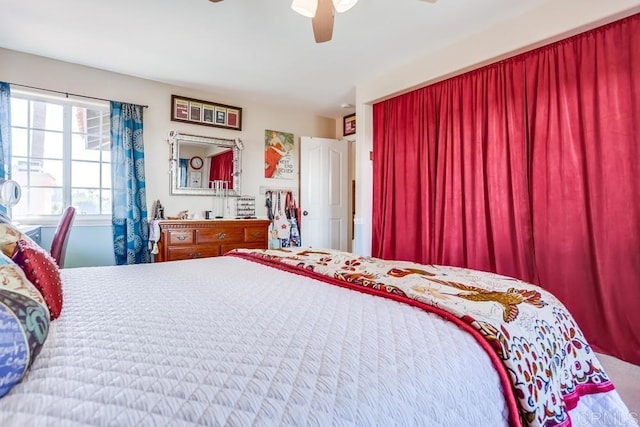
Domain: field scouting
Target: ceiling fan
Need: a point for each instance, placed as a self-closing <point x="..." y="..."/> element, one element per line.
<point x="322" y="13"/>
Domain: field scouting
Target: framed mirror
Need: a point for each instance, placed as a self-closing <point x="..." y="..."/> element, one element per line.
<point x="204" y="166"/>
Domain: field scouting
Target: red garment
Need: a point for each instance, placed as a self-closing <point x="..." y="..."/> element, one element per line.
<point x="271" y="160"/>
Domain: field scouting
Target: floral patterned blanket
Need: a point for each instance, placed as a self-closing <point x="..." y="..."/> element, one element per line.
<point x="539" y="351"/>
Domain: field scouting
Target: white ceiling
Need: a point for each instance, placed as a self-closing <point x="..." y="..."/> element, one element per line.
<point x="253" y="49"/>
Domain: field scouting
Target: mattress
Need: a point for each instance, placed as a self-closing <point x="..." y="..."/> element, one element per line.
<point x="225" y="341"/>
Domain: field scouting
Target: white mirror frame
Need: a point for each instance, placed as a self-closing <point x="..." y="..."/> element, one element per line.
<point x="176" y="138"/>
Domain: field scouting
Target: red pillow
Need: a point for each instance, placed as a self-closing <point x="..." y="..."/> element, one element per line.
<point x="41" y="270"/>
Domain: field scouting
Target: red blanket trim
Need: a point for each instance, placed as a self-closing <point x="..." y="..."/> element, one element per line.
<point x="512" y="404"/>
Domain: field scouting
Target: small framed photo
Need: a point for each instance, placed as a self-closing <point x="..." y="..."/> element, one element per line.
<point x="195" y="179"/>
<point x="233" y="118"/>
<point x="197" y="111"/>
<point x="221" y="116"/>
<point x="349" y="124"/>
<point x="208" y="112"/>
<point x="181" y="109"/>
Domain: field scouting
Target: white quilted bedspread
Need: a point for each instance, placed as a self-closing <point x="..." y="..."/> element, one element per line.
<point x="223" y="341"/>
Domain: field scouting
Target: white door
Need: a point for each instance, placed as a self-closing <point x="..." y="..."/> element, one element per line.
<point x="324" y="192"/>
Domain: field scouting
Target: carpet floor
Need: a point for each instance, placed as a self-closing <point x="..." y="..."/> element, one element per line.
<point x="626" y="377"/>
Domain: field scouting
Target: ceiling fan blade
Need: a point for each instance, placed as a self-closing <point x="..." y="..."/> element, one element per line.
<point x="323" y="21"/>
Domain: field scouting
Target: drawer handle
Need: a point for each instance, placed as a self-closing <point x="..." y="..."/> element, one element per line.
<point x="194" y="254"/>
<point x="181" y="237"/>
<point x="221" y="236"/>
<point x="256" y="234"/>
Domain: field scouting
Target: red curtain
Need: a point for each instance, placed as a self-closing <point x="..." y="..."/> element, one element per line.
<point x="584" y="103"/>
<point x="448" y="181"/>
<point x="529" y="168"/>
<point x="221" y="168"/>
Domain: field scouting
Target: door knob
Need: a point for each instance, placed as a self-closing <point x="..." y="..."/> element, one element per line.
<point x="305" y="213"/>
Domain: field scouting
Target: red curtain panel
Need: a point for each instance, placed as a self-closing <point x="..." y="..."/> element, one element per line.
<point x="583" y="98"/>
<point x="529" y="168"/>
<point x="449" y="186"/>
<point x="221" y="168"/>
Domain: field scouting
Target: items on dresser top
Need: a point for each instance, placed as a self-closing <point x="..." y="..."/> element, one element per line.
<point x="201" y="239"/>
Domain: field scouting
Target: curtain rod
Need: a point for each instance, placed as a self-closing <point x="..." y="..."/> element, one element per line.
<point x="67" y="94"/>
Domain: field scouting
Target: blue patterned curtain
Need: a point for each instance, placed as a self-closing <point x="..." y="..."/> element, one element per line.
<point x="129" y="200"/>
<point x="5" y="134"/>
<point x="183" y="172"/>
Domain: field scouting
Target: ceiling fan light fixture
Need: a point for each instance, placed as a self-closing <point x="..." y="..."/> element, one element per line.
<point x="343" y="5"/>
<point x="305" y="7"/>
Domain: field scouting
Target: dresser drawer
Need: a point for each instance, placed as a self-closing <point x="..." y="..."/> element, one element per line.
<point x="179" y="237"/>
<point x="219" y="235"/>
<point x="191" y="252"/>
<point x="209" y="238"/>
<point x="255" y="234"/>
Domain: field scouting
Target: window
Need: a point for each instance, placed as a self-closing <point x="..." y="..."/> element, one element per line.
<point x="60" y="155"/>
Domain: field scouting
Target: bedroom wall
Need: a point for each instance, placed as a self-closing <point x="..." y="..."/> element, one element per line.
<point x="551" y="21"/>
<point x="91" y="244"/>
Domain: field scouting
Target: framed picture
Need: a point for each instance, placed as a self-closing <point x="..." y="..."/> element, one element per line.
<point x="221" y="116"/>
<point x="233" y="117"/>
<point x="181" y="109"/>
<point x="208" y="112"/>
<point x="197" y="111"/>
<point x="279" y="155"/>
<point x="195" y="179"/>
<point x="349" y="124"/>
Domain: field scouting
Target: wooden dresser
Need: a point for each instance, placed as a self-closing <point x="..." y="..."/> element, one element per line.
<point x="201" y="239"/>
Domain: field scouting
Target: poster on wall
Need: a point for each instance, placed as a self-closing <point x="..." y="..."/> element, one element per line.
<point x="278" y="154"/>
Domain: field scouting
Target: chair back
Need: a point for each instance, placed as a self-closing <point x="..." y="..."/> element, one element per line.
<point x="61" y="236"/>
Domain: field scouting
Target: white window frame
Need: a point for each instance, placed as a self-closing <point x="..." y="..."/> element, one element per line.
<point x="67" y="102"/>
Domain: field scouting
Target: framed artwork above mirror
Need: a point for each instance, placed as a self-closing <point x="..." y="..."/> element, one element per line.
<point x="208" y="113"/>
<point x="204" y="166"/>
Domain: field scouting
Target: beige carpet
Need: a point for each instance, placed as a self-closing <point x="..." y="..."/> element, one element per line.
<point x="626" y="378"/>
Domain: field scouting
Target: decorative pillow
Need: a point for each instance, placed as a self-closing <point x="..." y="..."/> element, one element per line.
<point x="12" y="278"/>
<point x="24" y="324"/>
<point x="41" y="270"/>
<point x="9" y="235"/>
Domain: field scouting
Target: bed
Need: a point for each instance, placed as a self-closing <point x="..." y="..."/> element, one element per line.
<point x="262" y="338"/>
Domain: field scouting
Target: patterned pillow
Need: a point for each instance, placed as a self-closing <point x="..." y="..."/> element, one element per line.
<point x="24" y="324"/>
<point x="41" y="270"/>
<point x="9" y="235"/>
<point x="12" y="278"/>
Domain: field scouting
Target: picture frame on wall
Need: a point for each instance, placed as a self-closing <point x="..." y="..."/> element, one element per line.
<point x="233" y="117"/>
<point x="221" y="116"/>
<point x="207" y="113"/>
<point x="349" y="124"/>
<point x="181" y="109"/>
<point x="279" y="155"/>
<point x="195" y="111"/>
<point x="195" y="179"/>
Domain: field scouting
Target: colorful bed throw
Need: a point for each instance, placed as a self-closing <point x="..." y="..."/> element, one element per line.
<point x="540" y="353"/>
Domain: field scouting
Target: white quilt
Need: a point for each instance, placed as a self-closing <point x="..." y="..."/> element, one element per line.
<point x="223" y="341"/>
